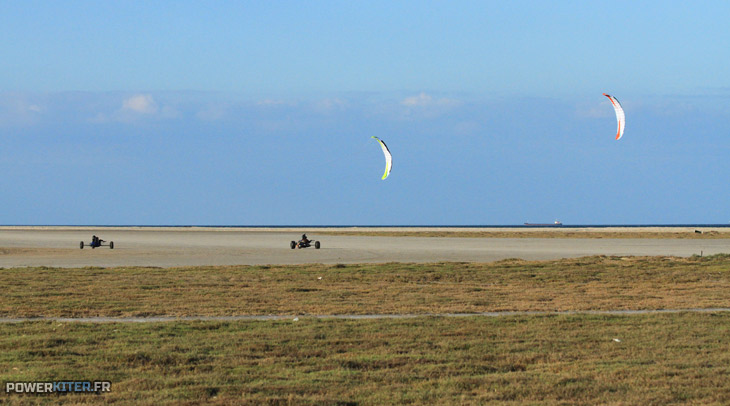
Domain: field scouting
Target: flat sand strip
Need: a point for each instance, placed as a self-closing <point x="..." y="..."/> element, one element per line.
<point x="377" y="229"/>
<point x="160" y="319"/>
<point x="204" y="247"/>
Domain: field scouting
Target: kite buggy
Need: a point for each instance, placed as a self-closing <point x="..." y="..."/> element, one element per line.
<point x="97" y="242"/>
<point x="304" y="243"/>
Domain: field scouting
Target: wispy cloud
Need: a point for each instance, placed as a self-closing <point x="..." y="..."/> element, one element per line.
<point x="137" y="107"/>
<point x="426" y="100"/>
<point x="140" y="103"/>
<point x="273" y="102"/>
<point x="18" y="110"/>
<point x="329" y="105"/>
<point x="422" y="106"/>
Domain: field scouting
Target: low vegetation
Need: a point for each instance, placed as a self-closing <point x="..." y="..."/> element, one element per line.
<point x="590" y="283"/>
<point x="659" y="358"/>
<point x="549" y="360"/>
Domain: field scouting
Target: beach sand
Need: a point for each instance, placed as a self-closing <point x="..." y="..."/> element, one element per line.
<point x="195" y="246"/>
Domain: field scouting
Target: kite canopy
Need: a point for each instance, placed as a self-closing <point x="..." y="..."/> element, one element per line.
<point x="620" y="116"/>
<point x="388" y="157"/>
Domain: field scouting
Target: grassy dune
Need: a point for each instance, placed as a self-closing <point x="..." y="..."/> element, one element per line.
<point x="590" y="283"/>
<point x="549" y="360"/>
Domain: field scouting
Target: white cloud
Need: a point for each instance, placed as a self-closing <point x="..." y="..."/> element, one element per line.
<point x="325" y="106"/>
<point x="272" y="102"/>
<point x="424" y="106"/>
<point x="426" y="100"/>
<point x="421" y="100"/>
<point x="135" y="108"/>
<point x="141" y="103"/>
<point x="16" y="110"/>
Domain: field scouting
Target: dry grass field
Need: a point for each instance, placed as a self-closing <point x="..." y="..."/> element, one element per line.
<point x="584" y="359"/>
<point x="590" y="283"/>
<point x="548" y="360"/>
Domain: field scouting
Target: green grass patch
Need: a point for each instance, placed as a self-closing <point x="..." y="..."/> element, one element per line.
<point x="590" y="283"/>
<point x="549" y="360"/>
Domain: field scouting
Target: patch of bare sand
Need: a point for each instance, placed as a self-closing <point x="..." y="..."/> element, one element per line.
<point x="183" y="246"/>
<point x="12" y="251"/>
<point x="549" y="229"/>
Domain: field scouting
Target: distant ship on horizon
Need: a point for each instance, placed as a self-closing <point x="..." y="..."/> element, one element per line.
<point x="553" y="224"/>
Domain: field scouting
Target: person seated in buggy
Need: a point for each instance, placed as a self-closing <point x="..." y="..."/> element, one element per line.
<point x="305" y="240"/>
<point x="96" y="242"/>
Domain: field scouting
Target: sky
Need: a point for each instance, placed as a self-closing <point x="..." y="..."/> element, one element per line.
<point x="261" y="113"/>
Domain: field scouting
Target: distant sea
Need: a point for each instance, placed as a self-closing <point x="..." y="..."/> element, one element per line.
<point x="378" y="226"/>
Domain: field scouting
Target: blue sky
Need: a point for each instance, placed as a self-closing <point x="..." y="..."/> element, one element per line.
<point x="261" y="112"/>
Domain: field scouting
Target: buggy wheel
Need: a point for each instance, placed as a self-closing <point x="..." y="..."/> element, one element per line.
<point x="111" y="245"/>
<point x="81" y="245"/>
<point x="293" y="245"/>
<point x="316" y="244"/>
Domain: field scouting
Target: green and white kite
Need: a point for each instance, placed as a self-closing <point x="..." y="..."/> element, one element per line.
<point x="388" y="157"/>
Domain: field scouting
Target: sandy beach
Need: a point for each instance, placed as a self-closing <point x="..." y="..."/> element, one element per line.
<point x="198" y="246"/>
